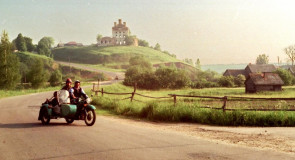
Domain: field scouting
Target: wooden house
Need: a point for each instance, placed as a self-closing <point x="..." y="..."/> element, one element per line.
<point x="259" y="68"/>
<point x="256" y="82"/>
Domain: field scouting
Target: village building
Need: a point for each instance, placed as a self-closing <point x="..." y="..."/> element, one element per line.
<point x="266" y="81"/>
<point x="251" y="68"/>
<point x="73" y="44"/>
<point x="120" y="32"/>
<point x="234" y="72"/>
<point x="259" y="68"/>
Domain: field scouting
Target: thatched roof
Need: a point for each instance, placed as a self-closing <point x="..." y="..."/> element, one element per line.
<point x="234" y="72"/>
<point x="260" y="68"/>
<point x="265" y="79"/>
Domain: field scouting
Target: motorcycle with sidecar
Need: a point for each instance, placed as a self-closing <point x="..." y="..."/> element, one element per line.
<point x="79" y="111"/>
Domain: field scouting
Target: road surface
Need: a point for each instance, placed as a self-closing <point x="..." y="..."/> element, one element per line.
<point x="23" y="137"/>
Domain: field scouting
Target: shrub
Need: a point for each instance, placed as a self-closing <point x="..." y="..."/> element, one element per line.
<point x="55" y="78"/>
<point x="286" y="76"/>
<point x="226" y="81"/>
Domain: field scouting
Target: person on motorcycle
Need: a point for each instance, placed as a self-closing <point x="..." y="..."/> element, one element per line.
<point x="68" y="85"/>
<point x="77" y="92"/>
<point x="54" y="103"/>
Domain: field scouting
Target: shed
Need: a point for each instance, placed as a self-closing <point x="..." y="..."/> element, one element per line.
<point x="263" y="82"/>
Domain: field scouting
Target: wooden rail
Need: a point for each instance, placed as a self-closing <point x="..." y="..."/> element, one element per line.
<point x="225" y="99"/>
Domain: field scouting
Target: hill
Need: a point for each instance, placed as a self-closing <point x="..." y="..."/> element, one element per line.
<point x="107" y="55"/>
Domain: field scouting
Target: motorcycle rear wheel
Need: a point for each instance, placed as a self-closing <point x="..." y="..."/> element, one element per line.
<point x="45" y="119"/>
<point x="90" y="117"/>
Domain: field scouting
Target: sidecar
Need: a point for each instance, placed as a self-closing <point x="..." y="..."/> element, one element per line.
<point x="81" y="111"/>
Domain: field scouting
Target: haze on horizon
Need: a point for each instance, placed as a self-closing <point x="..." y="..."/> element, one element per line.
<point x="216" y="31"/>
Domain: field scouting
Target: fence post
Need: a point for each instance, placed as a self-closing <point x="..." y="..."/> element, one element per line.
<point x="174" y="98"/>
<point x="224" y="103"/>
<point x="134" y="90"/>
<point x="102" y="92"/>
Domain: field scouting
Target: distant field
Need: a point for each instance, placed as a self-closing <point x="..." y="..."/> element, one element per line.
<point x="106" y="55"/>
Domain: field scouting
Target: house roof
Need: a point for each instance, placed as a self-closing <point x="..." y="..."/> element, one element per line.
<point x="234" y="72"/>
<point x="265" y="79"/>
<point x="71" y="43"/>
<point x="260" y="68"/>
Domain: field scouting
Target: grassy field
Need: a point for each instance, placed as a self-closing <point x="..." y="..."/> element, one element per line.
<point x="105" y="55"/>
<point x="188" y="110"/>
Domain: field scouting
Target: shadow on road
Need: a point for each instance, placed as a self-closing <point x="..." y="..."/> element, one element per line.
<point x="34" y="125"/>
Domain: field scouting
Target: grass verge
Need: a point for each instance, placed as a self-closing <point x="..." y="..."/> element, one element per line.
<point x="185" y="111"/>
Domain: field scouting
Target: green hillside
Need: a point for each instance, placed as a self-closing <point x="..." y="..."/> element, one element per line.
<point x="108" y="55"/>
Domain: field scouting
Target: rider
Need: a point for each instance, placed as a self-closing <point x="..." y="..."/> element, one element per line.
<point x="68" y="87"/>
<point x="77" y="92"/>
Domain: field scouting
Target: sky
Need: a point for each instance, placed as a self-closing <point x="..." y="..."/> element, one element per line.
<point x="215" y="31"/>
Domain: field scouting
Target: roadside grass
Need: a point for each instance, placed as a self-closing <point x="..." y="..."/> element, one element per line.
<point x="18" y="92"/>
<point x="187" y="110"/>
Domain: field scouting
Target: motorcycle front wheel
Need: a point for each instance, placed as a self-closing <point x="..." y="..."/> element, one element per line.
<point x="90" y="117"/>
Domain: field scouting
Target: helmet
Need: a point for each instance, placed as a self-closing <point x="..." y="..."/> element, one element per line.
<point x="77" y="81"/>
<point x="69" y="80"/>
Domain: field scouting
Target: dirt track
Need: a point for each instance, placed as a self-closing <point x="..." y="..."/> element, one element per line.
<point x="23" y="137"/>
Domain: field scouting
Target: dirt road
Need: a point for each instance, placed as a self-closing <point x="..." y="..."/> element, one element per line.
<point x="120" y="75"/>
<point x="23" y="137"/>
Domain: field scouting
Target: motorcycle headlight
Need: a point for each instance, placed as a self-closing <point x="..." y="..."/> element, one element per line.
<point x="88" y="100"/>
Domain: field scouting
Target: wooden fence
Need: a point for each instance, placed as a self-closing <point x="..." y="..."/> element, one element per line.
<point x="224" y="99"/>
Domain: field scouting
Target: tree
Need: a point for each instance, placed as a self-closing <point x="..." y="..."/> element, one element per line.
<point x="286" y="76"/>
<point x="20" y="43"/>
<point x="157" y="47"/>
<point x="37" y="75"/>
<point x="198" y="64"/>
<point x="98" y="37"/>
<point x="239" y="80"/>
<point x="129" y="40"/>
<point x="290" y="52"/>
<point x="44" y="46"/>
<point x="143" y="43"/>
<point x="9" y="64"/>
<point x="55" y="78"/>
<point x="29" y="44"/>
<point x="262" y="59"/>
<point x="140" y="61"/>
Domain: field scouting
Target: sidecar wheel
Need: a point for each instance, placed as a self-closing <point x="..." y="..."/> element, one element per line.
<point x="45" y="119"/>
<point x="69" y="121"/>
<point x="90" y="117"/>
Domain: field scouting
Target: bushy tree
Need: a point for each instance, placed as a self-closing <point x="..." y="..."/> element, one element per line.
<point x="29" y="44"/>
<point x="20" y="43"/>
<point x="9" y="64"/>
<point x="239" y="80"/>
<point x="44" y="46"/>
<point x="55" y="78"/>
<point x="98" y="37"/>
<point x="262" y="59"/>
<point x="286" y="76"/>
<point x="141" y="61"/>
<point x="129" y="40"/>
<point x="172" y="78"/>
<point x="226" y="81"/>
<point x="37" y="75"/>
<point x="198" y="64"/>
<point x="143" y="43"/>
<point x="157" y="47"/>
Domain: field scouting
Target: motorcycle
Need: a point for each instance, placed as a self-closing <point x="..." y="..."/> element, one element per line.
<point x="79" y="111"/>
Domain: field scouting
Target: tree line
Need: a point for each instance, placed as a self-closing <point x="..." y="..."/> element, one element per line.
<point x="17" y="67"/>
